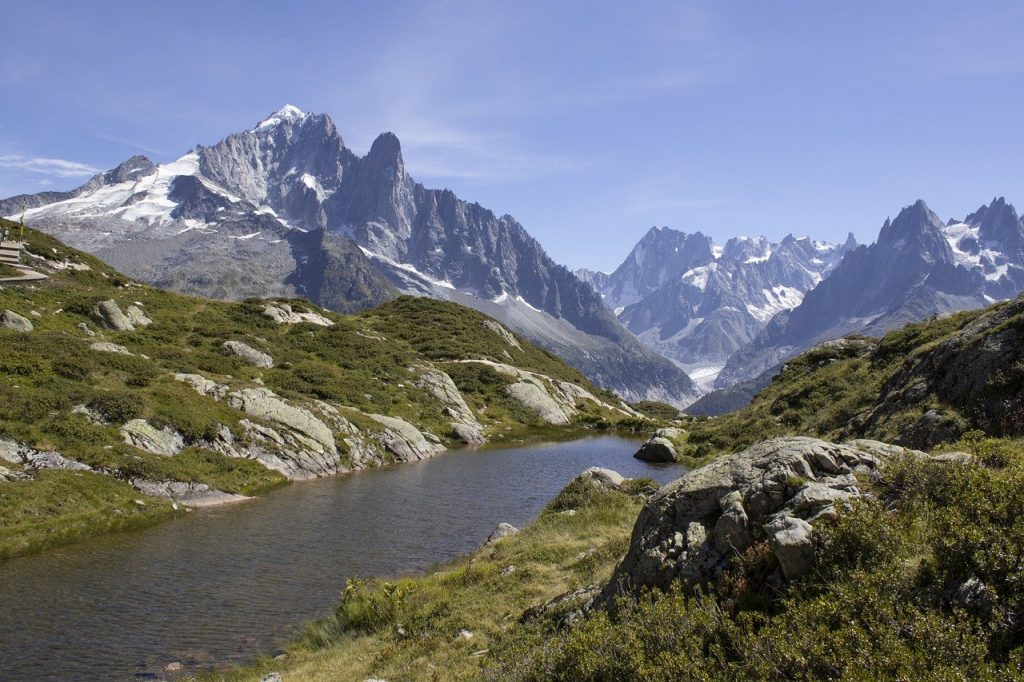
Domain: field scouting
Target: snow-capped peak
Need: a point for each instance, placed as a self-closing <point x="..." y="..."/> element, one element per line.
<point x="289" y="112"/>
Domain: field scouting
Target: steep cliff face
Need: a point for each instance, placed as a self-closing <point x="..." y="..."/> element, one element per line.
<point x="285" y="209"/>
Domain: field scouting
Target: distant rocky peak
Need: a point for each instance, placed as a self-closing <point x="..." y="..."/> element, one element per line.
<point x="744" y="249"/>
<point x="386" y="151"/>
<point x="289" y="113"/>
<point x="915" y="224"/>
<point x="999" y="224"/>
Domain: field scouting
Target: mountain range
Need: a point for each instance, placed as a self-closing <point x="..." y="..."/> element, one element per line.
<point x="286" y="208"/>
<point x="697" y="302"/>
<point x="917" y="268"/>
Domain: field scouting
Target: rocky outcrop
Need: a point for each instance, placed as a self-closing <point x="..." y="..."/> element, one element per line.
<point x="109" y="315"/>
<point x="13" y="321"/>
<point x="203" y="386"/>
<point x="293" y="440"/>
<point x="282" y="313"/>
<point x="137" y="317"/>
<point x="31" y="459"/>
<point x="263" y="403"/>
<point x="502" y="531"/>
<point x="504" y="333"/>
<point x="405" y="441"/>
<point x="533" y="395"/>
<point x="249" y="354"/>
<point x="465" y="426"/>
<point x="141" y="434"/>
<point x="108" y="347"/>
<point x="976" y="371"/>
<point x="661" y="447"/>
<point x="187" y="493"/>
<point x="554" y="401"/>
<point x="778" y="489"/>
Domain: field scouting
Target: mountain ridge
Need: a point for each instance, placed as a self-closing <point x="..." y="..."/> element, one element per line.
<point x="227" y="220"/>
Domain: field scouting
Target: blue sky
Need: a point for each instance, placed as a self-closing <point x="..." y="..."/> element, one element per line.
<point x="587" y="121"/>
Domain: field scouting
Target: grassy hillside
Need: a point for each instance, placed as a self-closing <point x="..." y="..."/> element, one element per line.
<point x="923" y="571"/>
<point x="918" y="386"/>
<point x="59" y="394"/>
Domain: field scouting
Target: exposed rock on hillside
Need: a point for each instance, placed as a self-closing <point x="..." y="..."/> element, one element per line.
<point x="464" y="423"/>
<point x="14" y="321"/>
<point x="109" y="315"/>
<point x="553" y="401"/>
<point x="145" y="436"/>
<point x="777" y="489"/>
<point x="249" y="354"/>
<point x="282" y="313"/>
<point x="405" y="441"/>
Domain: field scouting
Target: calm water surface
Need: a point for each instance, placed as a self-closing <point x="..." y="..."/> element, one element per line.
<point x="221" y="585"/>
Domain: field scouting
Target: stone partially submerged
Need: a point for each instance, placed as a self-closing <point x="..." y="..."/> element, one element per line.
<point x="661" y="447"/>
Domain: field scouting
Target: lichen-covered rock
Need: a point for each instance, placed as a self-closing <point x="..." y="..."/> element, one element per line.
<point x="202" y="385"/>
<point x="464" y="423"/>
<point x="30" y="458"/>
<point x="8" y="475"/>
<point x="188" y="493"/>
<point x="15" y="322"/>
<point x="657" y="449"/>
<point x="264" y="404"/>
<point x="248" y="354"/>
<point x="502" y="531"/>
<point x="691" y="528"/>
<point x="600" y="477"/>
<point x="533" y="395"/>
<point x="504" y="333"/>
<point x="282" y="313"/>
<point x="137" y="317"/>
<point x="405" y="441"/>
<point x="110" y="316"/>
<point x="793" y="545"/>
<point x="141" y="434"/>
<point x="108" y="347"/>
<point x="555" y="402"/>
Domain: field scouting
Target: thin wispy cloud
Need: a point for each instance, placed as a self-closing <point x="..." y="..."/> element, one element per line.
<point x="61" y="168"/>
<point x="650" y="203"/>
<point x="437" y="152"/>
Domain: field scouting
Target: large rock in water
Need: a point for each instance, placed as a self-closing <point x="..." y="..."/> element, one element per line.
<point x="780" y="488"/>
<point x="660" y="447"/>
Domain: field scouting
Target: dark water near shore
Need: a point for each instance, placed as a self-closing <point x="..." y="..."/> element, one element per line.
<point x="222" y="585"/>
